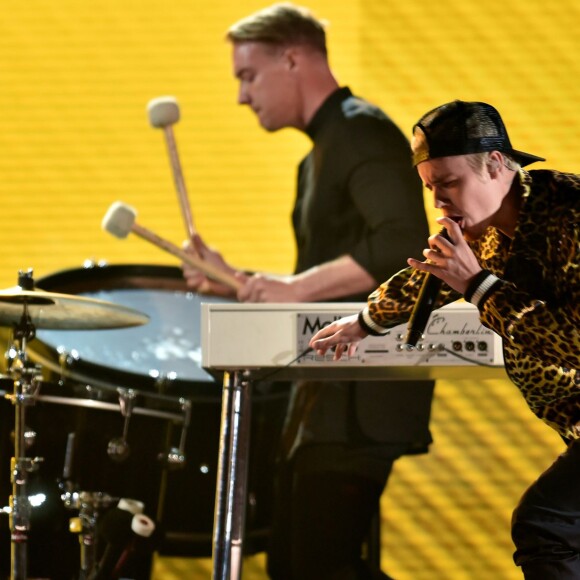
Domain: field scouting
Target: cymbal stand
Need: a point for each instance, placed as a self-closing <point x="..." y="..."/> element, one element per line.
<point x="27" y="380"/>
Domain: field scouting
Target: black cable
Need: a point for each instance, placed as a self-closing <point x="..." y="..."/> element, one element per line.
<point x="287" y="365"/>
<point x="471" y="360"/>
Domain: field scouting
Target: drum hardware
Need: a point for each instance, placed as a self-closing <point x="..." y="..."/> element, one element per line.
<point x="35" y="501"/>
<point x="175" y="458"/>
<point x="170" y="344"/>
<point x="117" y="522"/>
<point x="68" y="456"/>
<point x="69" y="494"/>
<point x="66" y="359"/>
<point x="162" y="382"/>
<point x="25" y="309"/>
<point x="29" y="437"/>
<point x="118" y="448"/>
<point x="26" y="379"/>
<point x="90" y="505"/>
<point x="125" y="532"/>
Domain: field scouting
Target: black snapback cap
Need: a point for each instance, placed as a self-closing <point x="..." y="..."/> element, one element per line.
<point x="461" y="128"/>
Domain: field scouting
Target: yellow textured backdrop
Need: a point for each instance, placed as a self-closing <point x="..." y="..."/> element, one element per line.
<point x="75" y="80"/>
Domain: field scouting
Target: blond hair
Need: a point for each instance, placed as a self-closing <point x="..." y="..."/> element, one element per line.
<point x="281" y="24"/>
<point x="480" y="161"/>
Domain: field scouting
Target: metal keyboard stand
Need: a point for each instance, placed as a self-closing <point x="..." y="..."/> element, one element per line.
<point x="232" y="477"/>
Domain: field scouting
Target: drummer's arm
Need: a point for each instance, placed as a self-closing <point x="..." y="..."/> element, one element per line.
<point x="341" y="277"/>
<point x="329" y="281"/>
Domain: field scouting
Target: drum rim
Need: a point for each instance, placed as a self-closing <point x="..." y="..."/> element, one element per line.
<point x="104" y="273"/>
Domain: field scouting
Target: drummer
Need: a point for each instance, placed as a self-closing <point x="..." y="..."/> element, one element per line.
<point x="358" y="215"/>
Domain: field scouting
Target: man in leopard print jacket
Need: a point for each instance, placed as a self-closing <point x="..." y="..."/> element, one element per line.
<point x="514" y="252"/>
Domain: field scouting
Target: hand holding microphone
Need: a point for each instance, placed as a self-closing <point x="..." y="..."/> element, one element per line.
<point x="457" y="266"/>
<point x="120" y="221"/>
<point x="425" y="304"/>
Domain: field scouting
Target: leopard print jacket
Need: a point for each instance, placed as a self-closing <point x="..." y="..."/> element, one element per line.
<point x="536" y="306"/>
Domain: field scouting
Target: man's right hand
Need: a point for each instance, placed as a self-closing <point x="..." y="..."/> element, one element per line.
<point x="198" y="281"/>
<point x="341" y="336"/>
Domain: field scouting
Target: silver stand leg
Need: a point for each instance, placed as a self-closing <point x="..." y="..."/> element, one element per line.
<point x="26" y="384"/>
<point x="27" y="380"/>
<point x="91" y="504"/>
<point x="231" y="490"/>
<point x="19" y="503"/>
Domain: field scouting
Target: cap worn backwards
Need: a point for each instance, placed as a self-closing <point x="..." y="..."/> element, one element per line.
<point x="462" y="128"/>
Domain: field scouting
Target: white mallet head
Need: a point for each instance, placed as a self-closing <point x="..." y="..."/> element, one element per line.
<point x="133" y="506"/>
<point x="119" y="219"/>
<point x="163" y="111"/>
<point x="142" y="525"/>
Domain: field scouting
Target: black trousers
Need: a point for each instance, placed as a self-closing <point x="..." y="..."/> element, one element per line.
<point x="320" y="520"/>
<point x="546" y="523"/>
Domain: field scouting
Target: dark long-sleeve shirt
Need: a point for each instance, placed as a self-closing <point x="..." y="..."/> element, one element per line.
<point x="359" y="195"/>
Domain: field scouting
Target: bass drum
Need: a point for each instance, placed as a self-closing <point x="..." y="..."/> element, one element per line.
<point x="163" y="358"/>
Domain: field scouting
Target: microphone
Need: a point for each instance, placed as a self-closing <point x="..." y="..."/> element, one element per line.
<point x="424" y="306"/>
<point x="120" y="221"/>
<point x="163" y="113"/>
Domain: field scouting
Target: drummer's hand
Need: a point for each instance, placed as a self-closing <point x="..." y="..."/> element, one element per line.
<point x="342" y="336"/>
<point x="197" y="280"/>
<point x="267" y="288"/>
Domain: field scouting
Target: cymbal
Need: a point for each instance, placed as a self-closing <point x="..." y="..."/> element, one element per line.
<point x="50" y="310"/>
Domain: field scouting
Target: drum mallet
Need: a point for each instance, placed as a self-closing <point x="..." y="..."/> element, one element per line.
<point x="120" y="221"/>
<point x="163" y="113"/>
